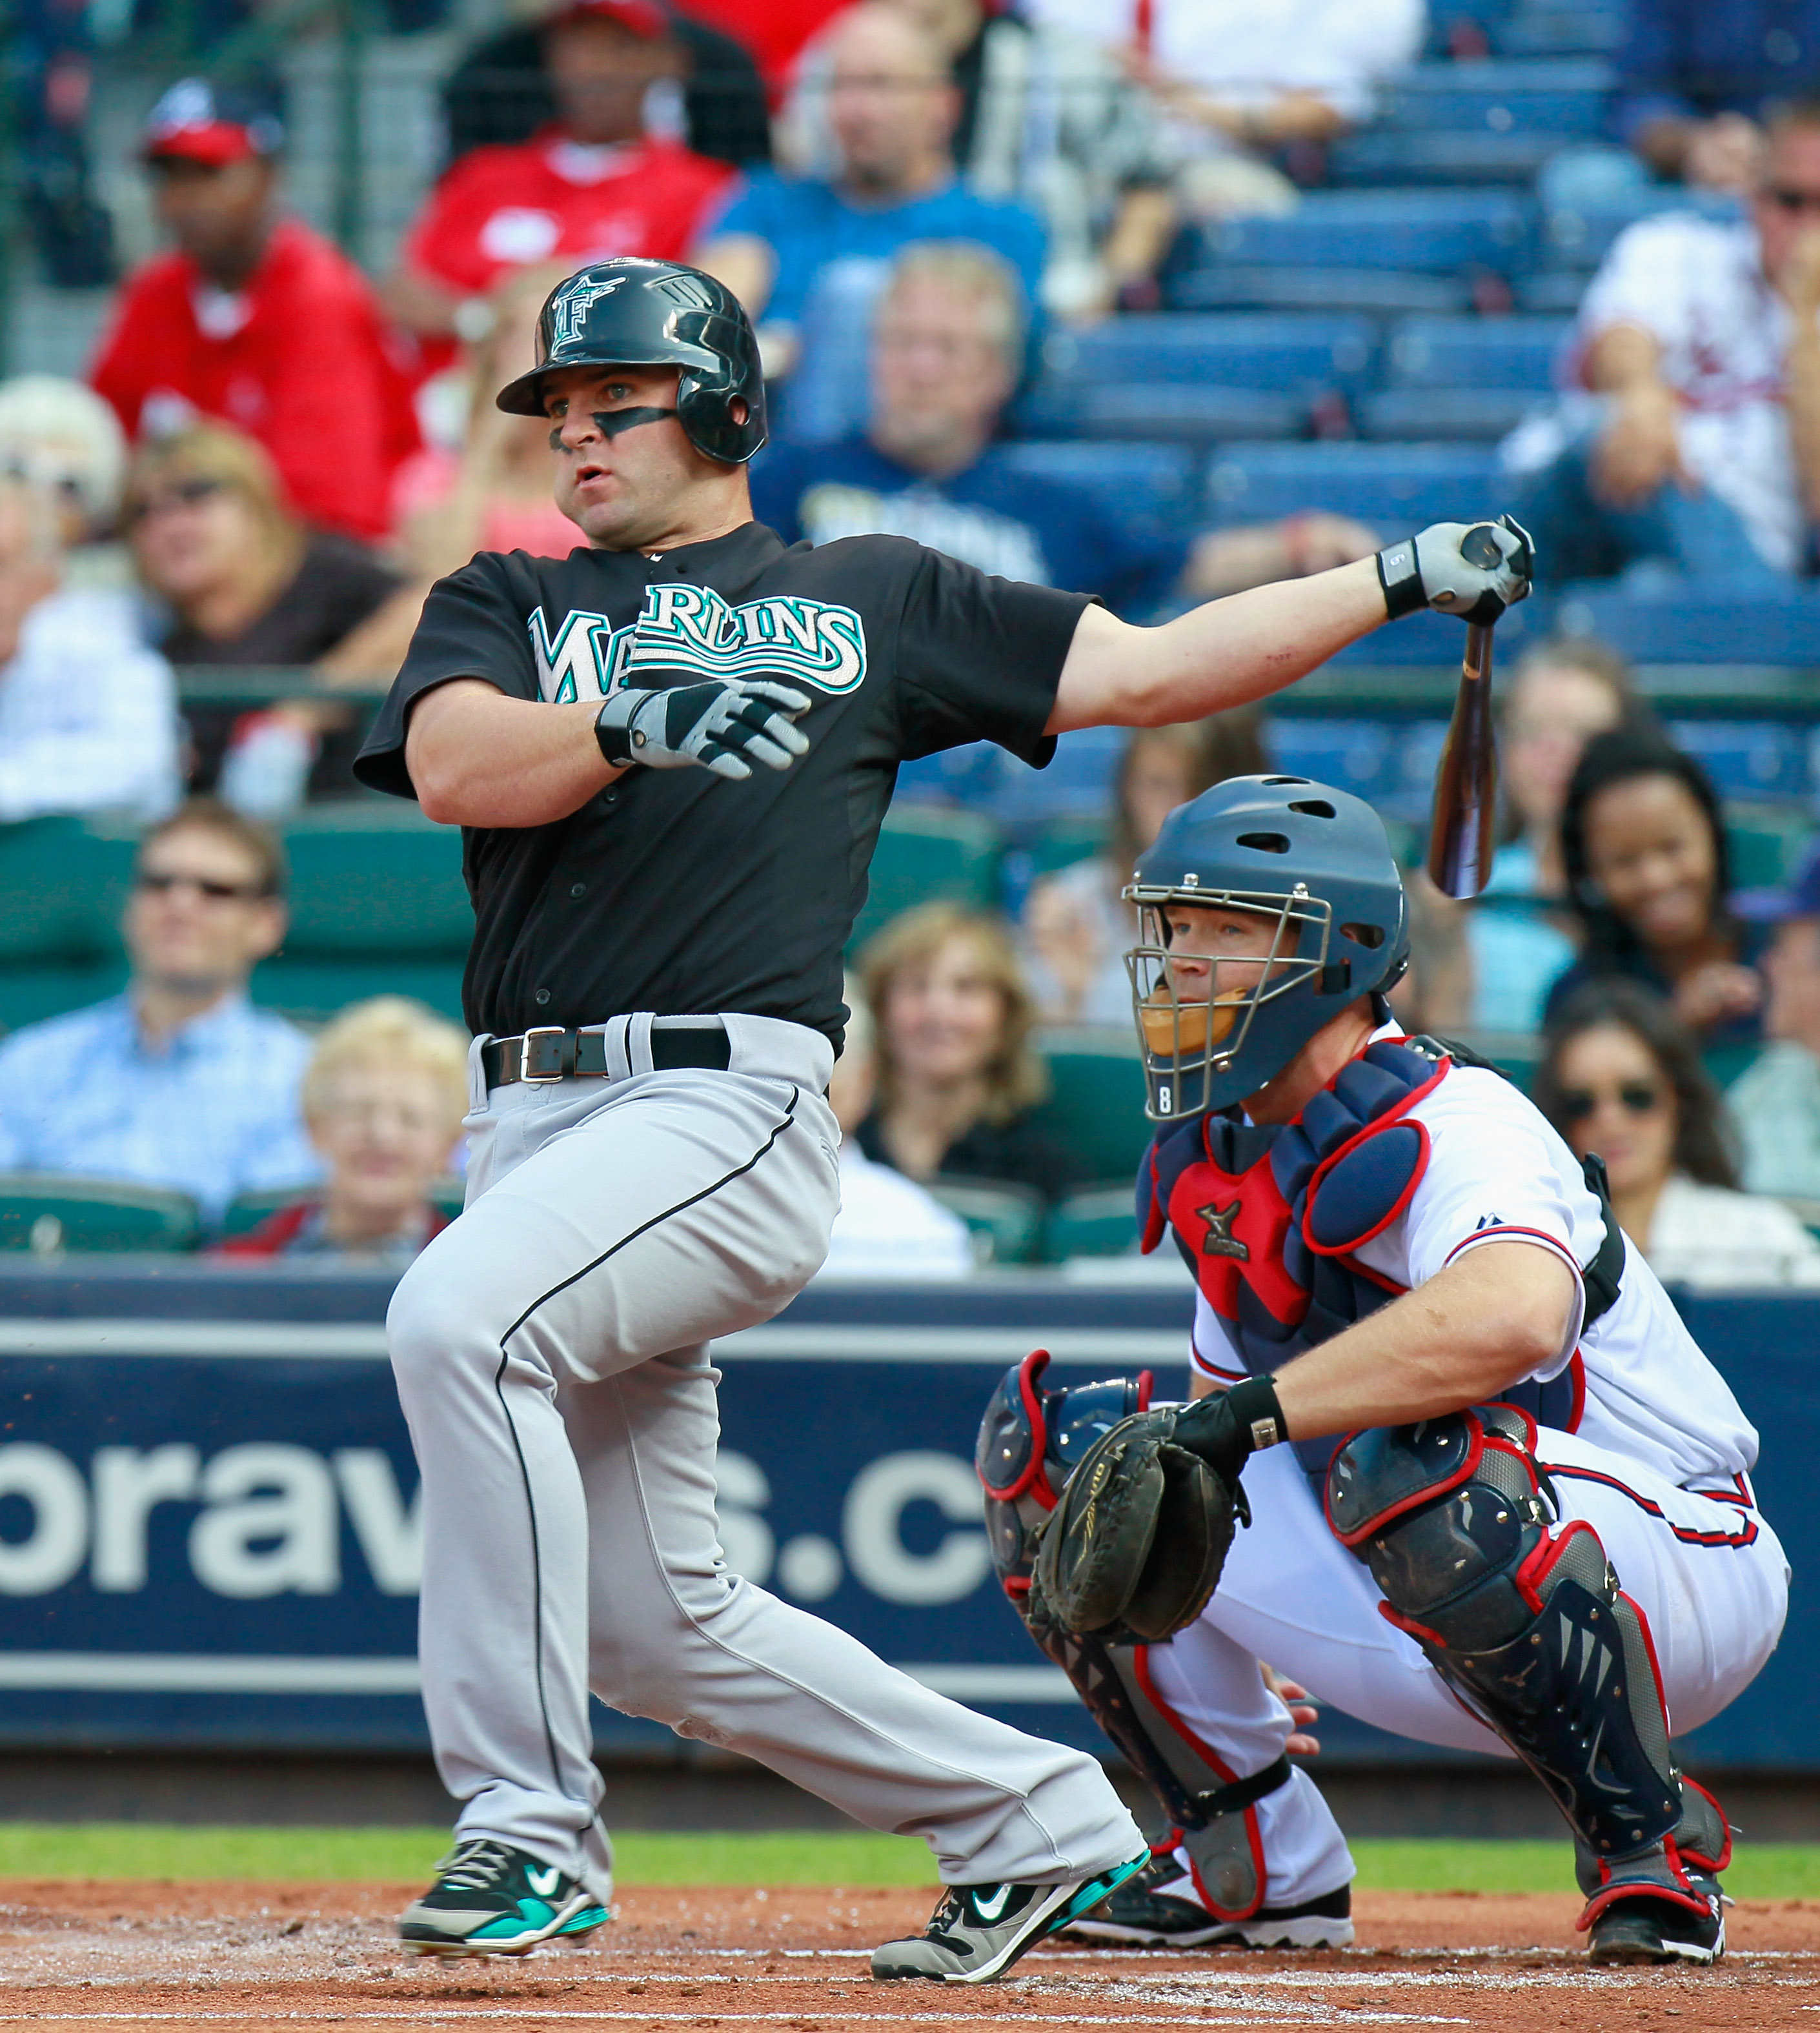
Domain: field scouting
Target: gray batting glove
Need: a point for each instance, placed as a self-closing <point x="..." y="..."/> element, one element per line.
<point x="725" y="727"/>
<point x="1474" y="570"/>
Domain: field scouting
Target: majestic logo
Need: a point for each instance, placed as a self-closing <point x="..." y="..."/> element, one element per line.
<point x="1220" y="1240"/>
<point x="569" y="313"/>
<point x="686" y="633"/>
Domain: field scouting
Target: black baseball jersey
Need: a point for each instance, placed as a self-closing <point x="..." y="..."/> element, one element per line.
<point x="678" y="891"/>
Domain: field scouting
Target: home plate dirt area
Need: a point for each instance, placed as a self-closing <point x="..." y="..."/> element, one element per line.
<point x="85" y="1954"/>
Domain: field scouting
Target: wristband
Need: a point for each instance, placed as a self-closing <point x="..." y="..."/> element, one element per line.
<point x="1254" y="1404"/>
<point x="1402" y="579"/>
<point x="615" y="742"/>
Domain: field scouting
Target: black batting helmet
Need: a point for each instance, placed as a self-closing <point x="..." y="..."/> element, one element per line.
<point x="633" y="312"/>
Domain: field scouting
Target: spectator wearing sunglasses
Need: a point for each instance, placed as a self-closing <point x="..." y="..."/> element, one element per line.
<point x="178" y="1081"/>
<point x="1643" y="848"/>
<point x="243" y="581"/>
<point x="1623" y="1078"/>
<point x="1689" y="434"/>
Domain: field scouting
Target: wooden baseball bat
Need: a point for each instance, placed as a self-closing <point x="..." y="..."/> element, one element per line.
<point x="1462" y="834"/>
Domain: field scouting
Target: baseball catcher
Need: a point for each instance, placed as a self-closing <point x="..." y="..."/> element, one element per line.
<point x="1497" y="1499"/>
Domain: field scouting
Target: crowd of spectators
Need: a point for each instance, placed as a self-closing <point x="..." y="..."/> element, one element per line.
<point x="273" y="457"/>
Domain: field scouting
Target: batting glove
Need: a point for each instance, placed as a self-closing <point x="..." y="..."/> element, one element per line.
<point x="1474" y="570"/>
<point x="725" y="727"/>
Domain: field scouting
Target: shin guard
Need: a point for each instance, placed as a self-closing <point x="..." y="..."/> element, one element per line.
<point x="1525" y="1622"/>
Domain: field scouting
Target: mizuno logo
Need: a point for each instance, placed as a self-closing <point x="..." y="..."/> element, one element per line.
<point x="990" y="1905"/>
<point x="544" y="1881"/>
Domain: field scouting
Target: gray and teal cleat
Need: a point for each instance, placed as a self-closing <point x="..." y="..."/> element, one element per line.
<point x="490" y="1899"/>
<point x="979" y="1931"/>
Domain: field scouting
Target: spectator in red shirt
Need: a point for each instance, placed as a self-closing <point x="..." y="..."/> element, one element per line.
<point x="256" y="320"/>
<point x="592" y="185"/>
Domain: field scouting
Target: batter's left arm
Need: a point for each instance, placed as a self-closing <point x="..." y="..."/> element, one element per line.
<point x="1252" y="644"/>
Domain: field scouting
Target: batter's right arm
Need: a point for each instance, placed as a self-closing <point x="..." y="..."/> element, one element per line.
<point x="478" y="758"/>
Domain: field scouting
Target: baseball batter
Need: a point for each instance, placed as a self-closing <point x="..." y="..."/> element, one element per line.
<point x="1513" y="1513"/>
<point x="670" y="753"/>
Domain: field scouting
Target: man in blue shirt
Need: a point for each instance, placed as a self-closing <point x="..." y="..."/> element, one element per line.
<point x="179" y="1082"/>
<point x="947" y="342"/>
<point x="807" y="256"/>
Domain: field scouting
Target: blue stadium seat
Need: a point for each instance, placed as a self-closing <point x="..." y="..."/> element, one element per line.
<point x="1275" y="354"/>
<point x="1435" y="231"/>
<point x="1759" y="759"/>
<point x="1557" y="31"/>
<point x="1483" y="415"/>
<point x="1564" y="98"/>
<point x="1450" y="156"/>
<point x="1506" y="353"/>
<point x="1169" y="412"/>
<point x="1231" y="285"/>
<point x="1581" y="236"/>
<point x="1390" y="763"/>
<point x="1144" y="483"/>
<point x="1393" y="486"/>
<point x="1695" y="624"/>
<point x="1077" y="784"/>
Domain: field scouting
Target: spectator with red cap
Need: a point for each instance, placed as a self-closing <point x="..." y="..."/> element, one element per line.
<point x="593" y="184"/>
<point x="256" y="320"/>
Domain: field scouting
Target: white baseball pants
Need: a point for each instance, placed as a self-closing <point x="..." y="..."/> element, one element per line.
<point x="549" y="1349"/>
<point x="1709" y="1575"/>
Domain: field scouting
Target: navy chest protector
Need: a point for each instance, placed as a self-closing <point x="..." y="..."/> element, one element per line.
<point x="1269" y="1219"/>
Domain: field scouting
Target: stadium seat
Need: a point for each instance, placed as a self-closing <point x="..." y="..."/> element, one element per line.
<point x="249" y="1209"/>
<point x="1375" y="292"/>
<point x="376" y="879"/>
<point x="1143" y="485"/>
<point x="48" y="1212"/>
<point x="63" y="886"/>
<point x="1480" y="416"/>
<point x="1557" y="31"/>
<point x="1393" y="487"/>
<point x="1765" y="843"/>
<point x="1450" y="157"/>
<point x="1004" y="1221"/>
<point x="1513" y="352"/>
<point x="925" y="855"/>
<point x="1759" y="759"/>
<point x="1077" y="784"/>
<point x="1096" y="1106"/>
<point x="1391" y="763"/>
<point x="311" y="988"/>
<point x="1434" y="232"/>
<point x="1700" y="623"/>
<point x="1166" y="413"/>
<point x="1729" y="1064"/>
<point x="1580" y="236"/>
<point x="1100" y="1222"/>
<point x="964" y="775"/>
<point x="1564" y="98"/>
<point x="1275" y="355"/>
<point x="29" y="993"/>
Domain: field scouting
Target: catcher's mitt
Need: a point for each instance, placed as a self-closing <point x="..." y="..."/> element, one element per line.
<point x="1134" y="1549"/>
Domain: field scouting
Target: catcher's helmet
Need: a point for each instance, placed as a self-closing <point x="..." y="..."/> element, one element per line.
<point x="632" y="313"/>
<point x="1318" y="861"/>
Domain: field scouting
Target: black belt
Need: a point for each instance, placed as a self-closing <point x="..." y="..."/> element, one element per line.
<point x="555" y="1055"/>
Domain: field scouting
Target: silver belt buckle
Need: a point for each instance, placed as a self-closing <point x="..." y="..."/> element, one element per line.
<point x="525" y="1073"/>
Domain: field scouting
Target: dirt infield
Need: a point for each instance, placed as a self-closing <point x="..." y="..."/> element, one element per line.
<point x="217" y="1957"/>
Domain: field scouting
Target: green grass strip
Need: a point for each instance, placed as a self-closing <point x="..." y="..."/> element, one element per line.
<point x="256" y="1855"/>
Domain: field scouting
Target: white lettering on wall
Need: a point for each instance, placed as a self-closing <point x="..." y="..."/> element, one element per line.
<point x="872" y="1526"/>
<point x="272" y="1524"/>
<point x="128" y="1482"/>
<point x="59" y="1540"/>
<point x="391" y="1535"/>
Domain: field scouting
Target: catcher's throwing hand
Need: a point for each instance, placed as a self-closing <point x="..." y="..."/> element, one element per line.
<point x="1472" y="570"/>
<point x="1302" y="1712"/>
<point x="723" y="726"/>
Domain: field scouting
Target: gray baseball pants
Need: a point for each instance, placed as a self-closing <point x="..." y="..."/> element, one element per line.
<point x="550" y="1351"/>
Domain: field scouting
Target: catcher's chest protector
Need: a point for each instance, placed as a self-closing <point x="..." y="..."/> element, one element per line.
<point x="1269" y="1219"/>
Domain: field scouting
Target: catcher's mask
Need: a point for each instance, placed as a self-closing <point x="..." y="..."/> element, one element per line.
<point x="1313" y="865"/>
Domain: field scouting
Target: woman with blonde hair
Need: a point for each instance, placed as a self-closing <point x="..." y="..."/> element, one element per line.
<point x="959" y="1081"/>
<point x="384" y="1096"/>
